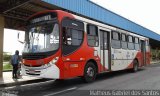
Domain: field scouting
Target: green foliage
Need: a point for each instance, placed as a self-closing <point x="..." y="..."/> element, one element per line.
<point x="7" y="66"/>
<point x="6" y="57"/>
<point x="6" y="61"/>
<point x="155" y="54"/>
<point x="159" y="55"/>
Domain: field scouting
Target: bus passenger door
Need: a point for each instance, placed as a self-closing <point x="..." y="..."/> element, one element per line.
<point x="143" y="53"/>
<point x="105" y="50"/>
<point x="147" y="52"/>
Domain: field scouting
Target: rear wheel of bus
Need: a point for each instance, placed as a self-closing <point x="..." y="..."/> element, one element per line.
<point x="90" y="72"/>
<point x="135" y="66"/>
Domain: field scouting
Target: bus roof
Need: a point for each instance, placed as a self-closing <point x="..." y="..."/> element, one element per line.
<point x="96" y="12"/>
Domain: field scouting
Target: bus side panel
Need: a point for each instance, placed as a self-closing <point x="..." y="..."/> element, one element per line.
<point x="73" y="69"/>
<point x="138" y="57"/>
<point x="148" y="55"/>
<point x="75" y="62"/>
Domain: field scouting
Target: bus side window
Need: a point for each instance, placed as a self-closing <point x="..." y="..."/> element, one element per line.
<point x="137" y="45"/>
<point x="68" y="37"/>
<point x="124" y="41"/>
<point x="63" y="35"/>
<point x="147" y="46"/>
<point x="116" y="40"/>
<point x="92" y="35"/>
<point x="130" y="42"/>
<point x="72" y="40"/>
<point x="72" y="37"/>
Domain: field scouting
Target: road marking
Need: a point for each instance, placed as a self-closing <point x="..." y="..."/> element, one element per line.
<point x="55" y="93"/>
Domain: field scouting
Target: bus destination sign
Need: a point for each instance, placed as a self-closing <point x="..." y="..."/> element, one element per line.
<point x="44" y="18"/>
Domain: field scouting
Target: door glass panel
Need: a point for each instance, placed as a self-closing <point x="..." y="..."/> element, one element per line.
<point x="105" y="41"/>
<point x="101" y="40"/>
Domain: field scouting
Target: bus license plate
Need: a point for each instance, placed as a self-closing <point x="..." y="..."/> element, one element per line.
<point x="31" y="71"/>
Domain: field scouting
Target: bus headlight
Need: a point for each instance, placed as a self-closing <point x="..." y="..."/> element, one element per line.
<point x="54" y="60"/>
<point x="51" y="62"/>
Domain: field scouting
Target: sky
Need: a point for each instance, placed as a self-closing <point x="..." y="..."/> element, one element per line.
<point x="143" y="12"/>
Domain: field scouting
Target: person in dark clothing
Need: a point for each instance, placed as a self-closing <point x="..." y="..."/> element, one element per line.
<point x="15" y="61"/>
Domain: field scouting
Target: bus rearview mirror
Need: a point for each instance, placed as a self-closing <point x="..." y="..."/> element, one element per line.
<point x="20" y="38"/>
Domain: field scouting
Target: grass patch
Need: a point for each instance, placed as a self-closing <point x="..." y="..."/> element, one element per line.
<point x="7" y="66"/>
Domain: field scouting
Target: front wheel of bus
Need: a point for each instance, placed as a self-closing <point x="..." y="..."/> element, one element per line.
<point x="90" y="72"/>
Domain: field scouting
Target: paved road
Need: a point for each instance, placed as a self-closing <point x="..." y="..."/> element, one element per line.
<point x="145" y="78"/>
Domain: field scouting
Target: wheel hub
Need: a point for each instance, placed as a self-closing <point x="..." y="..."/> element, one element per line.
<point x="90" y="72"/>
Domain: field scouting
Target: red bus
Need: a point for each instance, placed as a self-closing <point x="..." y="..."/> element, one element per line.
<point x="61" y="45"/>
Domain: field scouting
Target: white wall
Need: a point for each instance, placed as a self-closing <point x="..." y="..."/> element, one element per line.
<point x="10" y="41"/>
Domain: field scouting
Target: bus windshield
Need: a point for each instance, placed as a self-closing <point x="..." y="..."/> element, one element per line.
<point x="42" y="37"/>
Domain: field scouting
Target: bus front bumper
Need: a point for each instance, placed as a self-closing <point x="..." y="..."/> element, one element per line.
<point x="50" y="71"/>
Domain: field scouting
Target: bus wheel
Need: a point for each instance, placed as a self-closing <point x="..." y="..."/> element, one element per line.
<point x="90" y="72"/>
<point x="135" y="66"/>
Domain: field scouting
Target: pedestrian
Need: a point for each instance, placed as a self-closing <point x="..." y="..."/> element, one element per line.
<point x="19" y="71"/>
<point x="15" y="62"/>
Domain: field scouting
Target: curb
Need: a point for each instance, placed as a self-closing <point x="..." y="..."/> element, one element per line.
<point x="7" y="70"/>
<point x="22" y="82"/>
<point x="155" y="63"/>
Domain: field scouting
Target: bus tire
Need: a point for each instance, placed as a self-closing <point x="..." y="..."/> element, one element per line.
<point x="135" y="66"/>
<point x="90" y="72"/>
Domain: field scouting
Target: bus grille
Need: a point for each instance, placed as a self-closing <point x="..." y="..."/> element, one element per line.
<point x="33" y="65"/>
<point x="33" y="72"/>
<point x="33" y="56"/>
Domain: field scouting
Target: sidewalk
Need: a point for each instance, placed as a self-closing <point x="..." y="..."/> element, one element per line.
<point x="155" y="62"/>
<point x="7" y="80"/>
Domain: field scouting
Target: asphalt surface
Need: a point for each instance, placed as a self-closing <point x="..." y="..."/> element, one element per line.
<point x="147" y="78"/>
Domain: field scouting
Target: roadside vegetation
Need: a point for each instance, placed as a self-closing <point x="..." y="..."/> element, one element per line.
<point x="155" y="53"/>
<point x="6" y="61"/>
